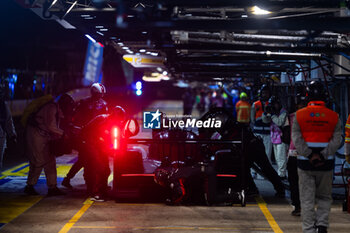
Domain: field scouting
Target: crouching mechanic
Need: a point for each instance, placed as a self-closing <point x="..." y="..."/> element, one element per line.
<point x="98" y="144"/>
<point x="316" y="133"/>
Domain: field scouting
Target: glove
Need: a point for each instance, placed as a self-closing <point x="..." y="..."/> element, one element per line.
<point x="347" y="158"/>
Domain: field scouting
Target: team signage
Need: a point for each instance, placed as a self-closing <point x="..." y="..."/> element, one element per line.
<point x="144" y="61"/>
<point x="93" y="62"/>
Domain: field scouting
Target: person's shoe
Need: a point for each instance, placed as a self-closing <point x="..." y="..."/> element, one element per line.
<point x="66" y="183"/>
<point x="321" y="229"/>
<point x="296" y="211"/>
<point x="54" y="192"/>
<point x="29" y="189"/>
<point x="280" y="194"/>
<point x="97" y="198"/>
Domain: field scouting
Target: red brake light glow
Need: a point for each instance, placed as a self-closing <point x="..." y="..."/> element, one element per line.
<point x="115" y="138"/>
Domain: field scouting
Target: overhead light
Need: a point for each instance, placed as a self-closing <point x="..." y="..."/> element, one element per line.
<point x="100" y="33"/>
<point x="69" y="9"/>
<point x="99" y="26"/>
<point x="165" y="78"/>
<point x="84" y="16"/>
<point x="125" y="48"/>
<point x="52" y="4"/>
<point x="89" y="18"/>
<point x="159" y="69"/>
<point x="244" y="16"/>
<point x="90" y="38"/>
<point x="129" y="51"/>
<point x="142" y="50"/>
<point x="154" y="54"/>
<point x="104" y="29"/>
<point x="113" y="38"/>
<point x="255" y="10"/>
<point x="121" y="44"/>
<point x="144" y="32"/>
<point x="165" y="73"/>
<point x="131" y="16"/>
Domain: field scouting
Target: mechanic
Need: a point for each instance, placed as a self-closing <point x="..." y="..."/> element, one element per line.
<point x="42" y="129"/>
<point x="243" y="109"/>
<point x="347" y="141"/>
<point x="97" y="146"/>
<point x="278" y="116"/>
<point x="261" y="127"/>
<point x="86" y="110"/>
<point x="316" y="133"/>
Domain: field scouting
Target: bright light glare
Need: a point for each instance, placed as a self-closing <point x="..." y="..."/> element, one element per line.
<point x="90" y="38"/>
<point x="258" y="11"/>
<point x="138" y="92"/>
<point x="138" y="85"/>
<point x="115" y="132"/>
<point x="115" y="144"/>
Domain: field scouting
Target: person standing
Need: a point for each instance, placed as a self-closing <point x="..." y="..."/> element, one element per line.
<point x="6" y="127"/>
<point x="243" y="109"/>
<point x="86" y="110"/>
<point x="260" y="121"/>
<point x="316" y="133"/>
<point x="278" y="120"/>
<point x="42" y="129"/>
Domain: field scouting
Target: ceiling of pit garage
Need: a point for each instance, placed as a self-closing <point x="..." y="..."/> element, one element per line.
<point x="213" y="39"/>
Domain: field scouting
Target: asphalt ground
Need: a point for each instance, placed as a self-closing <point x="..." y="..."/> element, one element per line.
<point x="74" y="212"/>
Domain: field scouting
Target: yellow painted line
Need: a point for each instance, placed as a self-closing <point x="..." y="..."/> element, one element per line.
<point x="76" y="217"/>
<point x="263" y="207"/>
<point x="9" y="171"/>
<point x="11" y="207"/>
<point x="172" y="228"/>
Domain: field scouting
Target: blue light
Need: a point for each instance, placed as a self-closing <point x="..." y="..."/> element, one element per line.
<point x="138" y="85"/>
<point x="138" y="92"/>
<point x="14" y="76"/>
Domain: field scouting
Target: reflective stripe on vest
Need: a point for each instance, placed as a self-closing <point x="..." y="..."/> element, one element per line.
<point x="330" y="157"/>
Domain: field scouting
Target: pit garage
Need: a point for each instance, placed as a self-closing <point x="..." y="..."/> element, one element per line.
<point x="149" y="54"/>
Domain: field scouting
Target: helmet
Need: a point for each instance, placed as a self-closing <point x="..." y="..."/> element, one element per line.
<point x="316" y="91"/>
<point x="243" y="95"/>
<point x="97" y="89"/>
<point x="118" y="113"/>
<point x="161" y="176"/>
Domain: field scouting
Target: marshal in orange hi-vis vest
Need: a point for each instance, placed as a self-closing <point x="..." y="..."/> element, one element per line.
<point x="317" y="124"/>
<point x="243" y="111"/>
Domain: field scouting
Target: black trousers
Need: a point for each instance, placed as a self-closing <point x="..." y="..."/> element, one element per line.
<point x="257" y="155"/>
<point x="293" y="180"/>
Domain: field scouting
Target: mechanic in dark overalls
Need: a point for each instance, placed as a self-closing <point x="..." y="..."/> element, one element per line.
<point x="86" y="110"/>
